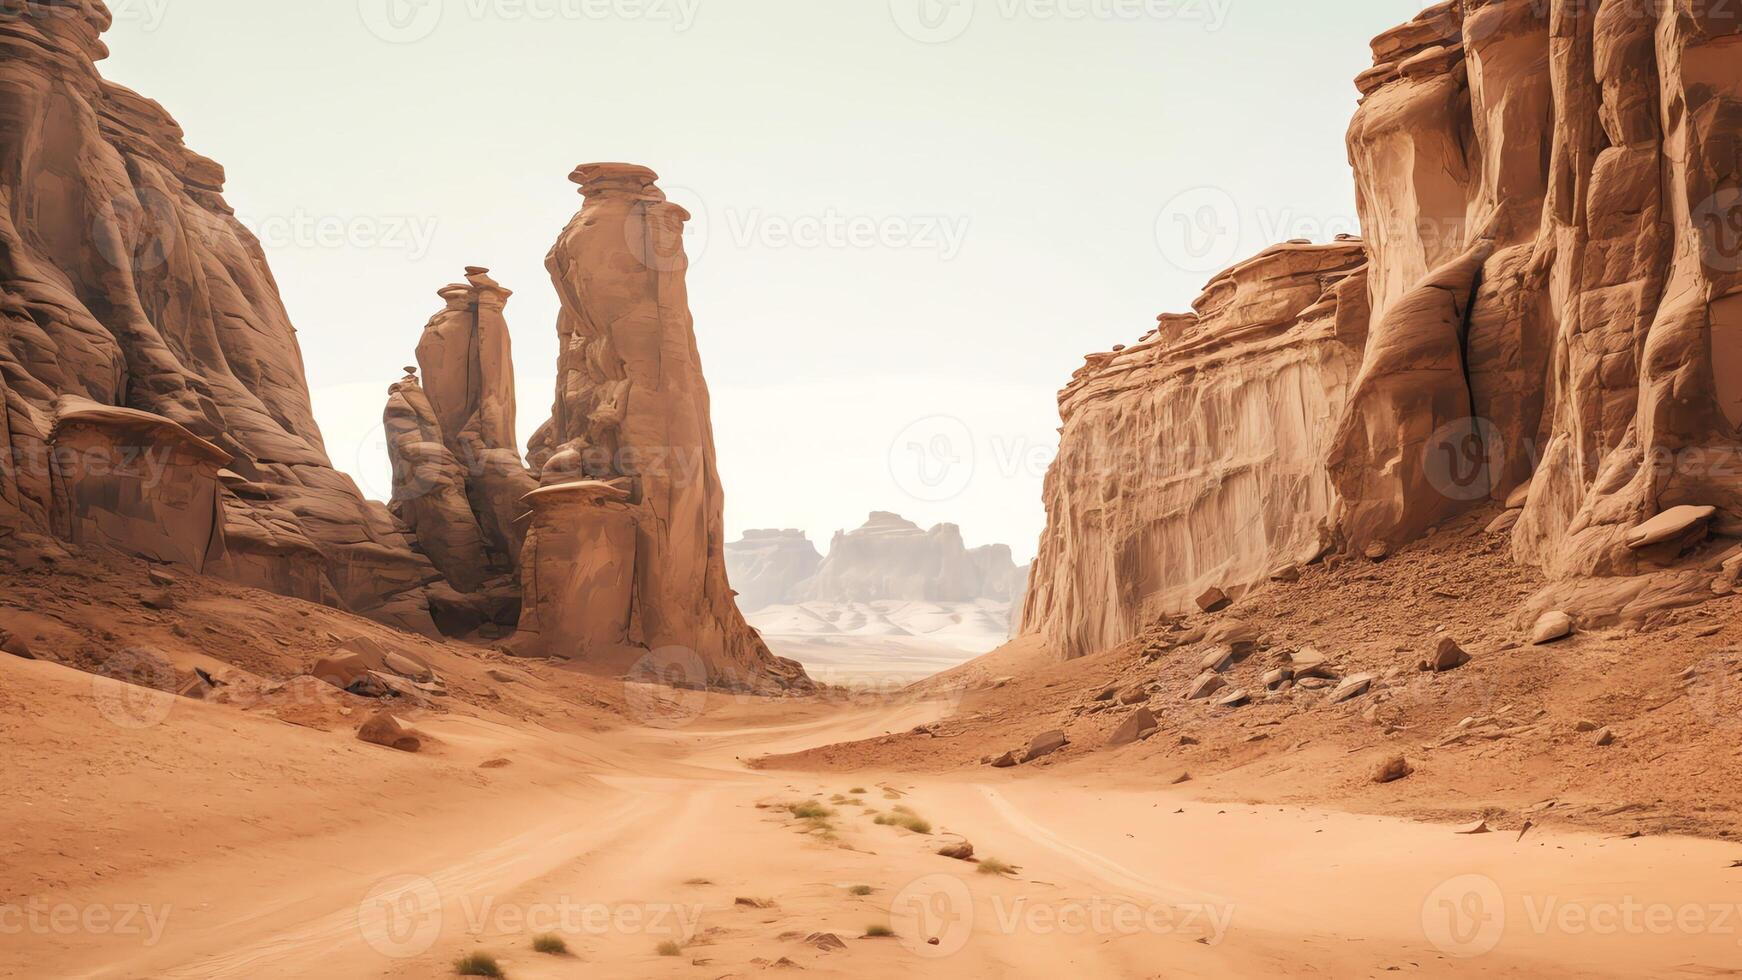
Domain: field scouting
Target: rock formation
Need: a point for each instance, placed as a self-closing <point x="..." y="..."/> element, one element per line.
<point x="127" y="284"/>
<point x="458" y="480"/>
<point x="1551" y="196"/>
<point x="770" y="568"/>
<point x="1195" y="458"/>
<point x="627" y="524"/>
<point x="890" y="557"/>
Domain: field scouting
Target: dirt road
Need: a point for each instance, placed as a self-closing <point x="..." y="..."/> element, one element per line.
<point x="261" y="850"/>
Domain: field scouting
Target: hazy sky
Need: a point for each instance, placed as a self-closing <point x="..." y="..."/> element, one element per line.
<point x="914" y="217"/>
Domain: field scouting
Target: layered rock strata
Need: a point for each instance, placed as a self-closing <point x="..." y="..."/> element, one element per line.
<point x="1195" y="458"/>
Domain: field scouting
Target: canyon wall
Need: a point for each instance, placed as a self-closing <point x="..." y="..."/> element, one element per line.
<point x="126" y="282"/>
<point x="1551" y="199"/>
<point x="1194" y="459"/>
<point x="628" y="520"/>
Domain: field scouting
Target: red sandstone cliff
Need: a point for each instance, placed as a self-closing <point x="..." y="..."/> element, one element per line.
<point x="1551" y="196"/>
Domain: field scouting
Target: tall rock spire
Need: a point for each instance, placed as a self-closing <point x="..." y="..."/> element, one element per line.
<point x="628" y="455"/>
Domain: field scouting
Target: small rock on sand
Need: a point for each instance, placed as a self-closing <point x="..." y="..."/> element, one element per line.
<point x="1005" y="761"/>
<point x="1214" y="600"/>
<point x="1206" y="685"/>
<point x="384" y="729"/>
<point x="962" y="851"/>
<point x="1444" y="655"/>
<point x="1550" y="627"/>
<point x="1604" y="737"/>
<point x="1141" y="722"/>
<point x="1351" y="688"/>
<point x="1392" y="769"/>
<point x="1045" y="744"/>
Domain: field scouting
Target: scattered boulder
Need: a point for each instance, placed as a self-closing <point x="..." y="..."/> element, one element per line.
<point x="1287" y="573"/>
<point x="1135" y="694"/>
<point x="1505" y="522"/>
<point x="1140" y="723"/>
<point x="342" y="670"/>
<point x="1671" y="525"/>
<point x="1207" y="684"/>
<point x="1214" y="600"/>
<point x="1045" y="744"/>
<point x="1184" y="777"/>
<point x="1479" y="827"/>
<point x="1377" y="551"/>
<point x="1278" y="677"/>
<point x="196" y="687"/>
<point x="1309" y="662"/>
<point x="1585" y="725"/>
<point x="1603" y="738"/>
<point x="404" y="666"/>
<point x="1392" y="769"/>
<point x="1550" y="627"/>
<point x="1519" y="496"/>
<point x="1234" y="633"/>
<point x="1234" y="700"/>
<point x="1111" y="692"/>
<point x="960" y="851"/>
<point x="159" y="600"/>
<point x="1006" y="761"/>
<point x="1218" y="660"/>
<point x="161" y="577"/>
<point x="1352" y="687"/>
<point x="384" y="729"/>
<point x="1445" y="655"/>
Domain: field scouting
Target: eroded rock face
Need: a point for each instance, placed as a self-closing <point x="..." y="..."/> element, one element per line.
<point x="126" y="280"/>
<point x="1586" y="154"/>
<point x="631" y="426"/>
<point x="458" y="481"/>
<point x="1551" y="197"/>
<point x="1195" y="460"/>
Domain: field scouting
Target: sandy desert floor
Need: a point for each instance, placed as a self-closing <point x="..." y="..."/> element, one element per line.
<point x="148" y="836"/>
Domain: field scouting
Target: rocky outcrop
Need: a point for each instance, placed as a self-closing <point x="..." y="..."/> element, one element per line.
<point x="126" y="281"/>
<point x="890" y="557"/>
<point x="458" y="480"/>
<point x="628" y="521"/>
<point x="1551" y="196"/>
<point x="1195" y="459"/>
<point x="771" y="567"/>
